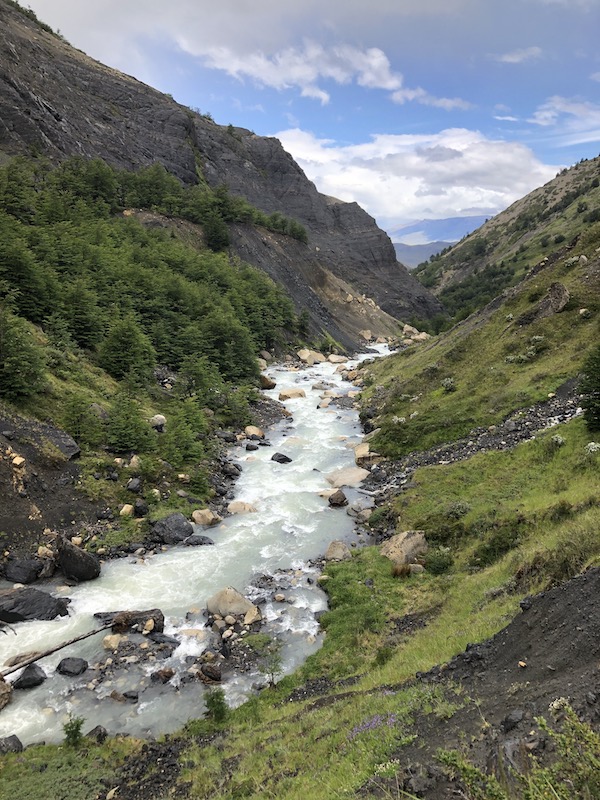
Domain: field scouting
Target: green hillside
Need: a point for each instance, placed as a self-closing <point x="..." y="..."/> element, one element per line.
<point x="500" y="253"/>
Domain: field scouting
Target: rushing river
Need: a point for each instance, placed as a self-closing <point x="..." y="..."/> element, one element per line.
<point x="293" y="524"/>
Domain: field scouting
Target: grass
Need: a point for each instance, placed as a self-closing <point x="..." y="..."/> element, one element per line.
<point x="496" y="363"/>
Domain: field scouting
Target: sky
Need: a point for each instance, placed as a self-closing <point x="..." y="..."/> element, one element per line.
<point x="416" y="109"/>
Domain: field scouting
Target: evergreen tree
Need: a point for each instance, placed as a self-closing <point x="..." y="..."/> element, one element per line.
<point x="22" y="361"/>
<point x="126" y="428"/>
<point x="127" y="351"/>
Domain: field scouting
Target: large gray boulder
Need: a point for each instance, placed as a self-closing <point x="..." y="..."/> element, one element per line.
<point x="404" y="547"/>
<point x="75" y="563"/>
<point x="19" y="605"/>
<point x="172" y="529"/>
<point x="229" y="601"/>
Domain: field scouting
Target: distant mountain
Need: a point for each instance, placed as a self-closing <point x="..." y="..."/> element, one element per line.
<point x="411" y="255"/>
<point x="451" y="229"/>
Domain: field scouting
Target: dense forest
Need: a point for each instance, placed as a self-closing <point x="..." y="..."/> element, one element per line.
<point x="84" y="286"/>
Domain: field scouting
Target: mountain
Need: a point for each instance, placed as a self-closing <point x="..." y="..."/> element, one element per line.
<point x="411" y="255"/>
<point x="56" y="101"/>
<point x="449" y="229"/>
<point x="560" y="214"/>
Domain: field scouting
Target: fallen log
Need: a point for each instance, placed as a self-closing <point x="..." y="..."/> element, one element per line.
<point x="45" y="653"/>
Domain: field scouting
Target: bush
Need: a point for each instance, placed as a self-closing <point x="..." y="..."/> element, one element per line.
<point x="438" y="560"/>
<point x="22" y="362"/>
<point x="72" y="730"/>
<point x="216" y="705"/>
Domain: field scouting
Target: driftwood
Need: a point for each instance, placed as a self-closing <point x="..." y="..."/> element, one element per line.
<point x="45" y="653"/>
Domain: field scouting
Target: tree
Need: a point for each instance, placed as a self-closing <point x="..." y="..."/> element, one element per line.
<point x="126" y="429"/>
<point x="590" y="389"/>
<point x="127" y="351"/>
<point x="22" y="360"/>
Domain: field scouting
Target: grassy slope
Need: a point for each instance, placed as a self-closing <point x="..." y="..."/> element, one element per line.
<point x="504" y="248"/>
<point x="496" y="363"/>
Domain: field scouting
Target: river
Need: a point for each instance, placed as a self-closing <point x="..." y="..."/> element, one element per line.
<point x="292" y="525"/>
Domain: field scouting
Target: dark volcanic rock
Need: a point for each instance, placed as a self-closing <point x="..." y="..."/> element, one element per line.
<point x="23" y="570"/>
<point x="32" y="676"/>
<point x="72" y="666"/>
<point x="172" y="529"/>
<point x="11" y="744"/>
<point x="197" y="540"/>
<point x="281" y="458"/>
<point x="76" y="563"/>
<point x="19" y="605"/>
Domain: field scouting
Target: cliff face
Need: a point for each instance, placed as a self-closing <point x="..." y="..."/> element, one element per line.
<point x="57" y="101"/>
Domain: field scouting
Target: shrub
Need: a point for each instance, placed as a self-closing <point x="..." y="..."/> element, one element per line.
<point x="72" y="730"/>
<point x="438" y="560"/>
<point x="216" y="705"/>
<point x="22" y="362"/>
<point x="449" y="385"/>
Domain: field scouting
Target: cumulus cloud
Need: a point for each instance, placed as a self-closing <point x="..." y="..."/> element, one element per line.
<point x="397" y="178"/>
<point x="519" y="56"/>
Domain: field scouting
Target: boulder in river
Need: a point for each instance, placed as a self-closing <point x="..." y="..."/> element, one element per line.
<point x="32" y="676"/>
<point x="204" y="516"/>
<point x="229" y="601"/>
<point x="10" y="744"/>
<point x="19" y="605"/>
<point x="281" y="458"/>
<point x="23" y="570"/>
<point x="72" y="666"/>
<point x="75" y="563"/>
<point x="338" y="499"/>
<point x="197" y="540"/>
<point x="172" y="529"/>
<point x="6" y="690"/>
<point x="347" y="476"/>
<point x="291" y="394"/>
<point x="240" y="507"/>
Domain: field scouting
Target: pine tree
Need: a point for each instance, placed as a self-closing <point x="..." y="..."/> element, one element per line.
<point x="22" y="361"/>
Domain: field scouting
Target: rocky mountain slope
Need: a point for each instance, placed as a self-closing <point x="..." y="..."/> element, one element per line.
<point x="56" y="101"/>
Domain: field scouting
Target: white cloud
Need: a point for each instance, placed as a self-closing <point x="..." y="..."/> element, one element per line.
<point x="506" y="118"/>
<point x="303" y="67"/>
<point x="570" y="121"/>
<point x="419" y="95"/>
<point x="519" y="56"/>
<point x="397" y="178"/>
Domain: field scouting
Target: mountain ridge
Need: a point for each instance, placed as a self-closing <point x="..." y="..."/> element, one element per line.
<point x="57" y="101"/>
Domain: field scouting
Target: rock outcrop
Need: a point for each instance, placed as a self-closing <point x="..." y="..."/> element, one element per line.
<point x="57" y="101"/>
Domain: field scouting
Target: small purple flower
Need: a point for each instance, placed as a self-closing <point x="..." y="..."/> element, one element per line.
<point x="372" y="724"/>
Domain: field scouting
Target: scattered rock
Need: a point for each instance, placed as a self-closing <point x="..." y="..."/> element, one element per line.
<point x="337" y="551"/>
<point x="122" y="621"/>
<point x="75" y="563"/>
<point x="404" y="547"/>
<point x="239" y="507"/>
<point x="19" y="605"/>
<point x="348" y="476"/>
<point x="281" y="458"/>
<point x="266" y="382"/>
<point x="172" y="529"/>
<point x="252" y="432"/>
<point x="197" y="540"/>
<point x="23" y="570"/>
<point x="32" y="676"/>
<point x="6" y="690"/>
<point x="72" y="666"/>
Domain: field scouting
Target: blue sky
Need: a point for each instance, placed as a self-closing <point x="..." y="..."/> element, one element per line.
<point x="416" y="109"/>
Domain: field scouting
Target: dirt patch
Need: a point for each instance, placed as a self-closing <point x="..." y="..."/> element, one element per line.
<point x="550" y="650"/>
<point x="39" y="484"/>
